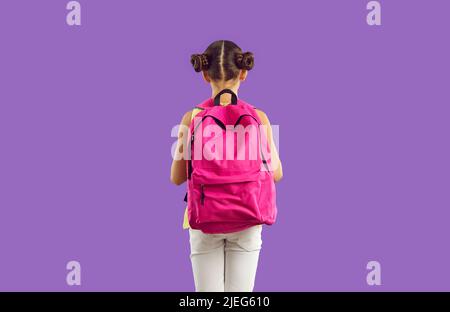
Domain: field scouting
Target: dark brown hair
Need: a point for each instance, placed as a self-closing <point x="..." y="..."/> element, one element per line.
<point x="222" y="60"/>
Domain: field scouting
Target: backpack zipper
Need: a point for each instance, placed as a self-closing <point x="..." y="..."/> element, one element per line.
<point x="202" y="194"/>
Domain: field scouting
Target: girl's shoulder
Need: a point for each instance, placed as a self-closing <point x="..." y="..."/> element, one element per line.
<point x="189" y="115"/>
<point x="195" y="111"/>
<point x="186" y="119"/>
<point x="262" y="116"/>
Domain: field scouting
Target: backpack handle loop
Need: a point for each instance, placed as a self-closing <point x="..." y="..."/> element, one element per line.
<point x="233" y="97"/>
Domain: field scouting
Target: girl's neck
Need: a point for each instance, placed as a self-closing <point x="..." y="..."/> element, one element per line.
<point x="224" y="98"/>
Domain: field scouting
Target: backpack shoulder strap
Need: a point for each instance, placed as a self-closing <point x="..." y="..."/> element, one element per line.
<point x="195" y="111"/>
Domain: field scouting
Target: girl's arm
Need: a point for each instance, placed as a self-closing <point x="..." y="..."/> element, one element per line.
<point x="178" y="169"/>
<point x="275" y="159"/>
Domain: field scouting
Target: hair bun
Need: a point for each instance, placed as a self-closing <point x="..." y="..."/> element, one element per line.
<point x="199" y="62"/>
<point x="245" y="60"/>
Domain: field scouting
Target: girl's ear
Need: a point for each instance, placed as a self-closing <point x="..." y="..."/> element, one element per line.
<point x="205" y="76"/>
<point x="243" y="75"/>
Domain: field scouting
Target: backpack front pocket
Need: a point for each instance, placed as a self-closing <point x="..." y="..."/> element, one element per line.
<point x="229" y="202"/>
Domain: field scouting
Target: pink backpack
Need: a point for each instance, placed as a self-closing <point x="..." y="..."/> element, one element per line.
<point x="230" y="186"/>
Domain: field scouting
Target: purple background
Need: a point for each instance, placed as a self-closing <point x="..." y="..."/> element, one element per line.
<point x="85" y="120"/>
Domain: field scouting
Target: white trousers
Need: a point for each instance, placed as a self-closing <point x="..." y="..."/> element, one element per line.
<point x="225" y="262"/>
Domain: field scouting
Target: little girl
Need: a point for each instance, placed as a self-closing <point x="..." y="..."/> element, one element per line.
<point x="223" y="262"/>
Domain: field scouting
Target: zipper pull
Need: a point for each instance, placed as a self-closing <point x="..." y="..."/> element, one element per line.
<point x="202" y="195"/>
